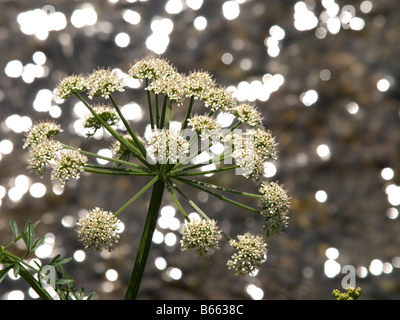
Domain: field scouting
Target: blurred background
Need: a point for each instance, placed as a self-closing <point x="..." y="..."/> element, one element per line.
<point x="325" y="76"/>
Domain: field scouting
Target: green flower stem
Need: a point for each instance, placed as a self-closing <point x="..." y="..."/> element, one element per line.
<point x="168" y="184"/>
<point x="201" y="212"/>
<point x="88" y="168"/>
<point x="95" y="155"/>
<point x="220" y="158"/>
<point x="213" y="186"/>
<point x="200" y="173"/>
<point x="195" y="185"/>
<point x="137" y="195"/>
<point x="145" y="242"/>
<point x="164" y="110"/>
<point x="157" y="112"/>
<point x="214" y="160"/>
<point x="128" y="127"/>
<point x="169" y="114"/>
<point x="149" y="104"/>
<point x="189" y="112"/>
<point x="114" y="133"/>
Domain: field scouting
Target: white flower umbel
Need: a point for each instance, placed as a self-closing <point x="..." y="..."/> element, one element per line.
<point x="40" y="132"/>
<point x="275" y="205"/>
<point x="98" y="230"/>
<point x="250" y="252"/>
<point x="67" y="164"/>
<point x="70" y="85"/>
<point x="103" y="82"/>
<point x="41" y="154"/>
<point x="170" y="86"/>
<point x="218" y="98"/>
<point x="151" y="68"/>
<point x="197" y="84"/>
<point x="202" y="236"/>
<point x="249" y="115"/>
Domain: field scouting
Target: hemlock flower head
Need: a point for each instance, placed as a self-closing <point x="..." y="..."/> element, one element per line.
<point x="40" y="132"/>
<point x="67" y="164"/>
<point x="70" y="85"/>
<point x="275" y="205"/>
<point x="218" y="98"/>
<point x="107" y="113"/>
<point x="202" y="236"/>
<point x="206" y="127"/>
<point x="197" y="84"/>
<point x="103" y="82"/>
<point x="98" y="230"/>
<point x="151" y="68"/>
<point x="251" y="252"/>
<point x="41" y="154"/>
<point x="169" y="157"/>
<point x="248" y="115"/>
<point x="167" y="146"/>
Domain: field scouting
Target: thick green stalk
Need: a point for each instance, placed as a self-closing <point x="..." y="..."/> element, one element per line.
<point x="145" y="242"/>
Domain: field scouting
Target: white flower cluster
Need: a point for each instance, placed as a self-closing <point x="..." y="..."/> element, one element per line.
<point x="43" y="151"/>
<point x="98" y="230"/>
<point x="151" y="68"/>
<point x="70" y="85"/>
<point x="170" y="86"/>
<point x="251" y="252"/>
<point x="40" y="132"/>
<point x="206" y="127"/>
<point x="275" y="205"/>
<point x="67" y="164"/>
<point x="102" y="82"/>
<point x="202" y="236"/>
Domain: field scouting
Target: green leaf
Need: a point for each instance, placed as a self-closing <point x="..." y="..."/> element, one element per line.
<point x="60" y="262"/>
<point x="4" y="273"/>
<point x="26" y="235"/>
<point x="14" y="227"/>
<point x="37" y="243"/>
<point x="91" y="296"/>
<point x="64" y="281"/>
<point x="16" y="269"/>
